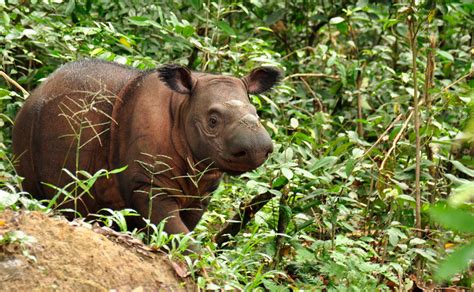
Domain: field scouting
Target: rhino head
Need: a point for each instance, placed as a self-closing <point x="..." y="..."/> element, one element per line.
<point x="221" y="125"/>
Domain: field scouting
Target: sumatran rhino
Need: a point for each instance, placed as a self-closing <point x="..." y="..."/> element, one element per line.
<point x="177" y="131"/>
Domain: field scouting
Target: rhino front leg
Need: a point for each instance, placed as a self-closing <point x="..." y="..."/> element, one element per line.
<point x="191" y="217"/>
<point x="193" y="213"/>
<point x="162" y="207"/>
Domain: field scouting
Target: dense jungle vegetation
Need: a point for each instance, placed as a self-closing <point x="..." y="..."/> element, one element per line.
<point x="370" y="183"/>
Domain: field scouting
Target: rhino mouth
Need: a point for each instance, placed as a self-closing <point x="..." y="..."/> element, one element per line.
<point x="235" y="166"/>
<point x="233" y="163"/>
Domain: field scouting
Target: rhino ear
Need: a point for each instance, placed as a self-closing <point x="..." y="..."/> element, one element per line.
<point x="262" y="79"/>
<point x="176" y="77"/>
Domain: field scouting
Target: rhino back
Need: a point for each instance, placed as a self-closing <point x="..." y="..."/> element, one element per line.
<point x="65" y="123"/>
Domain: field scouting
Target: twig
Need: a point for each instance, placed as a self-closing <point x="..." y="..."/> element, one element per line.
<point x="410" y="114"/>
<point x="360" y="129"/>
<point x="412" y="33"/>
<point x="383" y="135"/>
<point x="452" y="84"/>
<point x="395" y="141"/>
<point x="429" y="71"/>
<point x="413" y="45"/>
<point x="240" y="220"/>
<point x="316" y="100"/>
<point x="307" y="48"/>
<point x="13" y="82"/>
<point x="320" y="75"/>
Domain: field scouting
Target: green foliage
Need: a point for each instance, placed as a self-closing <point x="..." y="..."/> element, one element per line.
<point x="80" y="186"/>
<point x="452" y="218"/>
<point x="343" y="168"/>
<point x="460" y="220"/>
<point x="115" y="218"/>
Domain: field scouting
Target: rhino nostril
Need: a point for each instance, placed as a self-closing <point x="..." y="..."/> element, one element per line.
<point x="240" y="154"/>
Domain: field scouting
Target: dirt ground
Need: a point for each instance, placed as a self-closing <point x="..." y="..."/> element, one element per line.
<point x="71" y="256"/>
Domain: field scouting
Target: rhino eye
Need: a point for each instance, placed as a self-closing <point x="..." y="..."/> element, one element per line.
<point x="212" y="122"/>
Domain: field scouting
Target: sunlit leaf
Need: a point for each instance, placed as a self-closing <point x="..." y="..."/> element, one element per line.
<point x="287" y="173"/>
<point x="445" y="55"/>
<point x="463" y="168"/>
<point x="336" y="20"/>
<point x="8" y="199"/>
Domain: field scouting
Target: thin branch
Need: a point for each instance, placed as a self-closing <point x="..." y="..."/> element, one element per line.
<point x="316" y="100"/>
<point x="13" y="82"/>
<point x="410" y="114"/>
<point x="429" y="72"/>
<point x="360" y="128"/>
<point x="383" y="135"/>
<point x="319" y="75"/>
<point x="471" y="73"/>
<point x="395" y="141"/>
<point x="298" y="50"/>
<point x="413" y="45"/>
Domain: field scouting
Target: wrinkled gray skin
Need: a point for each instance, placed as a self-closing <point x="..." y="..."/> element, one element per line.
<point x="176" y="130"/>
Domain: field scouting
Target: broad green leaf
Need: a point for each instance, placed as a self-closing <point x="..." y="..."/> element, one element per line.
<point x="29" y="32"/>
<point x="336" y="20"/>
<point x="357" y="152"/>
<point x="462" y="168"/>
<point x="462" y="194"/>
<point x="304" y="173"/>
<point x="8" y="199"/>
<point x="455" y="219"/>
<point x="97" y="51"/>
<point x="427" y="254"/>
<point x="456" y="179"/>
<point x="294" y="123"/>
<point x="402" y="185"/>
<point x="6" y="18"/>
<point x="445" y="55"/>
<point x="212" y="286"/>
<point x="187" y="31"/>
<point x="456" y="262"/>
<point x="417" y="241"/>
<point x="4" y="92"/>
<point x="406" y="198"/>
<point x="70" y="7"/>
<point x="139" y="20"/>
<point x="350" y="164"/>
<point x="225" y="27"/>
<point x="354" y="137"/>
<point x="394" y="235"/>
<point x="279" y="182"/>
<point x="197" y="4"/>
<point x="272" y="286"/>
<point x="287" y="173"/>
<point x="323" y="162"/>
<point x="288" y="154"/>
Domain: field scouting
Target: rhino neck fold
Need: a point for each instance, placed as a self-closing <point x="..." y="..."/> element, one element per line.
<point x="179" y="110"/>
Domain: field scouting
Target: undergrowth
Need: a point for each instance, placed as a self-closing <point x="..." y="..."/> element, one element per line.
<point x="344" y="168"/>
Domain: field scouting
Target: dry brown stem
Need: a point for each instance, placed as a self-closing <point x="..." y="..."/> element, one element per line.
<point x="416" y="112"/>
<point x="319" y="75"/>
<point x="14" y="83"/>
